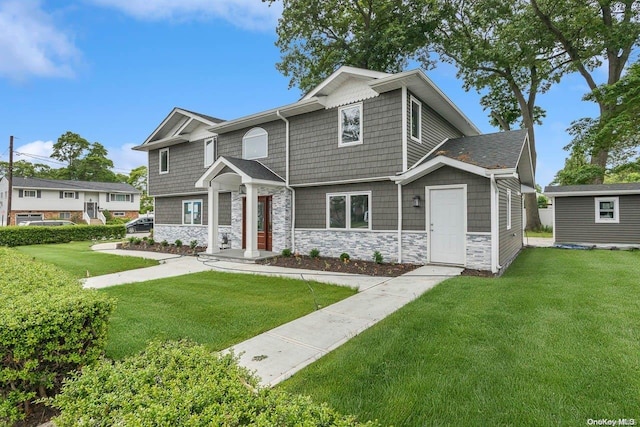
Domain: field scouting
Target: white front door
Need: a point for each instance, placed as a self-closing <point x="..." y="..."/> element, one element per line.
<point x="446" y="225"/>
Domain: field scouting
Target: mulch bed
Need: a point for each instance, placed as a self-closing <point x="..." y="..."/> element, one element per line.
<point x="157" y="247"/>
<point x="335" y="265"/>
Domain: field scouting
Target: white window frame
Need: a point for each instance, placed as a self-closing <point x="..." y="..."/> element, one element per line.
<point x="201" y="211"/>
<point x="163" y="150"/>
<point x="360" y="140"/>
<point x="348" y="196"/>
<point x="257" y="132"/>
<point x="210" y="157"/>
<point x="64" y="215"/>
<point x="120" y="214"/>
<point x="509" y="211"/>
<point x="616" y="210"/>
<point x="113" y="197"/>
<point x="415" y="101"/>
<point x="69" y="194"/>
<point x="30" y="194"/>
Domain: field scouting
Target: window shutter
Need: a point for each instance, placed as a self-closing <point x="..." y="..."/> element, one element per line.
<point x="132" y="198"/>
<point x="39" y="194"/>
<point x="62" y="194"/>
<point x="77" y="194"/>
<point x="20" y="193"/>
<point x="108" y="197"/>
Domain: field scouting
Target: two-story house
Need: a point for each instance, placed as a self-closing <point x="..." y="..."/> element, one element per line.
<point x="36" y="199"/>
<point x="366" y="161"/>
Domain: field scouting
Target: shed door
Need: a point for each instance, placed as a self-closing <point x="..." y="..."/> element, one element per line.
<point x="446" y="220"/>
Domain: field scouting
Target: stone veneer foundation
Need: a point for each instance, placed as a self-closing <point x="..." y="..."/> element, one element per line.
<point x="186" y="233"/>
<point x="479" y="251"/>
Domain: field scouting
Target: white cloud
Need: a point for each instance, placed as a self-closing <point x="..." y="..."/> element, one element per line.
<point x="247" y="14"/>
<point x="31" y="44"/>
<point x="124" y="158"/>
<point x="37" y="152"/>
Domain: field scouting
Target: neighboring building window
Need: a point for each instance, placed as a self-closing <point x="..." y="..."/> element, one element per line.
<point x="192" y="212"/>
<point x="508" y="209"/>
<point x="120" y="197"/>
<point x="118" y="213"/>
<point x="349" y="211"/>
<point x="164" y="160"/>
<point x="69" y="195"/>
<point x="255" y="144"/>
<point x="607" y="210"/>
<point x="350" y="125"/>
<point x="65" y="215"/>
<point x="416" y="120"/>
<point x="210" y="151"/>
<point x="30" y="193"/>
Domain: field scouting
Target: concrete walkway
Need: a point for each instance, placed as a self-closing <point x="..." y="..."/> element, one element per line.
<point x="538" y="242"/>
<point x="281" y="352"/>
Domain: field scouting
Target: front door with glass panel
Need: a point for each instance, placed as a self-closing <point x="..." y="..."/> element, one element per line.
<point x="264" y="225"/>
<point x="91" y="208"/>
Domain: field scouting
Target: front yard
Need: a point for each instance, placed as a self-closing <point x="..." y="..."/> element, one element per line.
<point x="555" y="341"/>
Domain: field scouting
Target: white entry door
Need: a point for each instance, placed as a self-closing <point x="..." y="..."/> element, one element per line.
<point x="446" y="225"/>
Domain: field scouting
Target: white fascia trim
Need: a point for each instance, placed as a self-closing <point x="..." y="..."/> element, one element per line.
<point x="345" y="181"/>
<point x="162" y="143"/>
<point x="345" y="69"/>
<point x="178" y="194"/>
<point x="438" y="162"/>
<point x="528" y="145"/>
<point x="169" y="116"/>
<point x="591" y="193"/>
<point x="221" y="163"/>
<point x="184" y="125"/>
<point x="265" y="182"/>
<point x="524" y="189"/>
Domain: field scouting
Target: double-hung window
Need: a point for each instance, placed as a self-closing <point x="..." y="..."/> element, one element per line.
<point x="120" y="197"/>
<point x="30" y="193"/>
<point x="350" y="125"/>
<point x="69" y="194"/>
<point x="607" y="210"/>
<point x="349" y="211"/>
<point x="210" y="148"/>
<point x="164" y="161"/>
<point x="416" y="120"/>
<point x="192" y="212"/>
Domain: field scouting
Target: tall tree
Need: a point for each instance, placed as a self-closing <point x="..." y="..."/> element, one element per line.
<point x="497" y="47"/>
<point x="138" y="178"/>
<point x="316" y="36"/>
<point x="23" y="168"/>
<point x="69" y="147"/>
<point x="590" y="32"/>
<point x="93" y="166"/>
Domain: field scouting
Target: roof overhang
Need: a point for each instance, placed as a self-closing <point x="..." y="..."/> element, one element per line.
<point x="591" y="193"/>
<point x="300" y="107"/>
<point x="162" y="143"/>
<point x="525" y="164"/>
<point x="421" y="85"/>
<point x="340" y="76"/>
<point x="441" y="161"/>
<point x="230" y="181"/>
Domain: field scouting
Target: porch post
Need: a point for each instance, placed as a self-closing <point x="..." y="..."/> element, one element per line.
<point x="212" y="214"/>
<point x="251" y="236"/>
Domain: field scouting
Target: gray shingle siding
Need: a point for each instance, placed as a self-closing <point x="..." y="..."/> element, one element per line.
<point x="575" y="221"/>
<point x="510" y="240"/>
<point x="186" y="165"/>
<point x="435" y="129"/>
<point x="168" y="210"/>
<point x="478" y="199"/>
<point x="311" y="204"/>
<point x="316" y="157"/>
<point x="230" y="145"/>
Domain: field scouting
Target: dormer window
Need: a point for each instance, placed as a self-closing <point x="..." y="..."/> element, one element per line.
<point x="255" y="144"/>
<point x="164" y="160"/>
<point x="350" y="125"/>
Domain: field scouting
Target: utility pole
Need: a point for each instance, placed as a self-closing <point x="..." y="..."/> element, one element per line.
<point x="10" y="180"/>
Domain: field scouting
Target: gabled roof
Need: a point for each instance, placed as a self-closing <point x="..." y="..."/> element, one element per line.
<point x="59" y="184"/>
<point x="248" y="171"/>
<point x="593" y="189"/>
<point x="175" y="128"/>
<point x="254" y="169"/>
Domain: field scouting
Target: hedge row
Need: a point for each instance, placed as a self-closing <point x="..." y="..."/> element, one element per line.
<point x="182" y="384"/>
<point x="28" y="235"/>
<point x="49" y="326"/>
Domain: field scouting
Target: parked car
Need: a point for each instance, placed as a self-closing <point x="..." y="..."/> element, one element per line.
<point x="139" y="224"/>
<point x="48" y="223"/>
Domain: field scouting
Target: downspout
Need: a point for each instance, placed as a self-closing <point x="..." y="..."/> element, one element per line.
<point x="286" y="181"/>
<point x="495" y="225"/>
<point x="399" y="223"/>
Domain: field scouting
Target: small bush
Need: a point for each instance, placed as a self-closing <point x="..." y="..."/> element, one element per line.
<point x="150" y="241"/>
<point x="131" y="239"/>
<point x="22" y="236"/>
<point x="286" y="252"/>
<point x="377" y="257"/>
<point x="315" y="253"/>
<point x="49" y="327"/>
<point x="193" y="244"/>
<point x="176" y="384"/>
<point x="164" y="243"/>
<point x="178" y="243"/>
<point x="345" y="257"/>
<point x="137" y="240"/>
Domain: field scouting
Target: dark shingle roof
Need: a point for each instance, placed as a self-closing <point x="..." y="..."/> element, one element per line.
<point x="204" y="116"/>
<point x="59" y="184"/>
<point x="498" y="150"/>
<point x="592" y="188"/>
<point x="254" y="169"/>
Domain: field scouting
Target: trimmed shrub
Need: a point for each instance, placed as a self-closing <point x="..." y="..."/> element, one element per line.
<point x="178" y="243"/>
<point x="286" y="252"/>
<point x="314" y="253"/>
<point x="28" y="235"/>
<point x="345" y="257"/>
<point x="377" y="257"/>
<point x="49" y="327"/>
<point x="164" y="243"/>
<point x="193" y="244"/>
<point x="181" y="383"/>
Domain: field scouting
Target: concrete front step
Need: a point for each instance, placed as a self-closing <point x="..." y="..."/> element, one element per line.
<point x="236" y="255"/>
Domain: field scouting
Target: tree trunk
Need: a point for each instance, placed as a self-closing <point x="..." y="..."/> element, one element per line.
<point x="533" y="216"/>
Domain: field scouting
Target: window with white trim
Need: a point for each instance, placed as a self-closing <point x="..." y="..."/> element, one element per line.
<point x="30" y="193"/>
<point x="255" y="144"/>
<point x="416" y="120"/>
<point x="349" y="211"/>
<point x="164" y="161"/>
<point x="120" y="197"/>
<point x="65" y="215"/>
<point x="607" y="210"/>
<point x="118" y="214"/>
<point x="350" y="125"/>
<point x="69" y="194"/>
<point x="210" y="151"/>
<point x="192" y="212"/>
<point x="509" y="212"/>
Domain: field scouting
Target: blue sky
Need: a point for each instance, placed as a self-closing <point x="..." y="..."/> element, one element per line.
<point x="111" y="70"/>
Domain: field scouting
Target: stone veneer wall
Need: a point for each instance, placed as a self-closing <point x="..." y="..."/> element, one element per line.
<point x="414" y="247"/>
<point x="187" y="233"/>
<point x="479" y="251"/>
<point x="358" y="244"/>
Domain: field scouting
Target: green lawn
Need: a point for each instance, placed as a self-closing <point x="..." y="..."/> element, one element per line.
<point x="555" y="341"/>
<point x="546" y="234"/>
<point x="212" y="308"/>
<point x="77" y="258"/>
